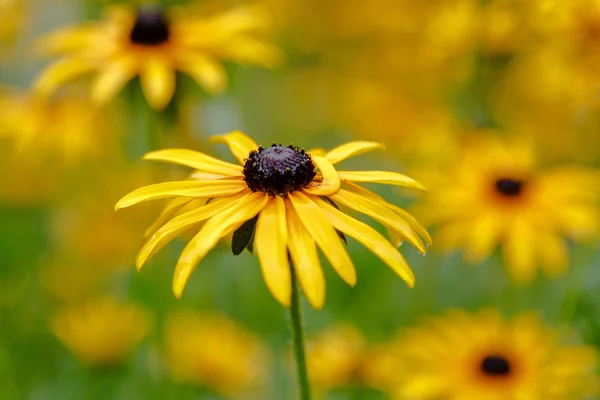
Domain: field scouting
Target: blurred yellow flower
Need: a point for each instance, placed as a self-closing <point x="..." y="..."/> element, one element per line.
<point x="276" y="202"/>
<point x="11" y="19"/>
<point x="155" y="45"/>
<point x="101" y="331"/>
<point x="213" y="351"/>
<point x="494" y="194"/>
<point x="486" y="357"/>
<point x="64" y="130"/>
<point x="334" y="356"/>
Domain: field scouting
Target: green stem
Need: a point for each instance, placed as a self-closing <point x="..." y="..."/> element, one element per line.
<point x="298" y="337"/>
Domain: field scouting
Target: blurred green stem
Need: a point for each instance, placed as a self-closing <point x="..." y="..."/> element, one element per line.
<point x="298" y="337"/>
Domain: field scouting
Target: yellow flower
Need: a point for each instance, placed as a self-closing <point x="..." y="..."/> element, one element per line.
<point x="101" y="331"/>
<point x="11" y="19"/>
<point x="66" y="129"/>
<point x="211" y="350"/>
<point x="493" y="194"/>
<point x="155" y="45"/>
<point x="485" y="357"/>
<point x="333" y="357"/>
<point x="276" y="202"/>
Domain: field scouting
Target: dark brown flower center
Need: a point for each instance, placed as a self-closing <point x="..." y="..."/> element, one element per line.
<point x="278" y="170"/>
<point x="509" y="187"/>
<point x="151" y="28"/>
<point x="495" y="366"/>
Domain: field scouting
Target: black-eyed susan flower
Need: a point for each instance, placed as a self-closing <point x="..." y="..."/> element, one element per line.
<point x="154" y="44"/>
<point x="101" y="331"/>
<point x="487" y="357"/>
<point x="283" y="202"/>
<point x="494" y="194"/>
<point x="215" y="352"/>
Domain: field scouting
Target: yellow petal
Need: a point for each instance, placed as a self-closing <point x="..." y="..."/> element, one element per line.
<point x="519" y="252"/>
<point x="206" y="71"/>
<point x="351" y="149"/>
<point x="370" y="238"/>
<point x="112" y="79"/>
<point x="57" y="74"/>
<point x="214" y="229"/>
<point x="405" y="215"/>
<point x="331" y="180"/>
<point x="318" y="151"/>
<point x="270" y="239"/>
<point x="206" y="189"/>
<point x="321" y="230"/>
<point x="379" y="212"/>
<point x="240" y="144"/>
<point x="249" y="50"/>
<point x="158" y="83"/>
<point x="195" y="160"/>
<point x="167" y="213"/>
<point x="483" y="238"/>
<point x="386" y="177"/>
<point x="182" y="222"/>
<point x="303" y="251"/>
<point x="553" y="253"/>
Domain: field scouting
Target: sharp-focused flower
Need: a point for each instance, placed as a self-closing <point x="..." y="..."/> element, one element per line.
<point x="155" y="45"/>
<point x="65" y="129"/>
<point x="493" y="194"/>
<point x="213" y="351"/>
<point x="334" y="356"/>
<point x="101" y="331"/>
<point x="279" y="202"/>
<point x="486" y="357"/>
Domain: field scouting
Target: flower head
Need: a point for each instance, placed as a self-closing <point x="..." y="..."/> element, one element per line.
<point x="154" y="44"/>
<point x="101" y="331"/>
<point x="281" y="201"/>
<point x="484" y="356"/>
<point x="494" y="194"/>
<point x="212" y="350"/>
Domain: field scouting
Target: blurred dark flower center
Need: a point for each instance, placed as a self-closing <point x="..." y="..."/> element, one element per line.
<point x="495" y="366"/>
<point x="509" y="187"/>
<point x="150" y="28"/>
<point x="278" y="170"/>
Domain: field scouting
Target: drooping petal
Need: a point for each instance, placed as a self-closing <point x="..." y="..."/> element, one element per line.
<point x="214" y="229"/>
<point x="57" y="74"/>
<point x="321" y="230"/>
<point x="553" y="253"/>
<point x="158" y="83"/>
<point x="519" y="251"/>
<point x="270" y="239"/>
<point x="380" y="213"/>
<point x="112" y="79"/>
<point x="405" y="215"/>
<point x="167" y="213"/>
<point x="303" y="251"/>
<point x="240" y="144"/>
<point x="182" y="222"/>
<point x="206" y="189"/>
<point x="196" y="160"/>
<point x="483" y="237"/>
<point x="351" y="149"/>
<point x="370" y="238"/>
<point x="386" y="177"/>
<point x="206" y="71"/>
<point x="331" y="180"/>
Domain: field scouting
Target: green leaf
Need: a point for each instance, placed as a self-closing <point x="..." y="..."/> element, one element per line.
<point x="243" y="237"/>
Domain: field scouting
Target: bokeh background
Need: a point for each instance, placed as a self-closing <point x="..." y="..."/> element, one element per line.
<point x="435" y="81"/>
